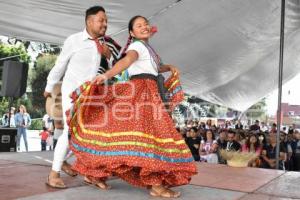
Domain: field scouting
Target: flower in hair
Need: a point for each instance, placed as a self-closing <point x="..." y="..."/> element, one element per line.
<point x="153" y="30"/>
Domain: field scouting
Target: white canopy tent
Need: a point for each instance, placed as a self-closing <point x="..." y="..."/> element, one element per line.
<point x="227" y="50"/>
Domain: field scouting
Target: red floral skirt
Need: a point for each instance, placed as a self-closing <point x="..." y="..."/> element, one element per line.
<point x="124" y="130"/>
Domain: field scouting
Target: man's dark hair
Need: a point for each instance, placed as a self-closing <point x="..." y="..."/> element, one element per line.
<point x="194" y="129"/>
<point x="93" y="11"/>
<point x="230" y="131"/>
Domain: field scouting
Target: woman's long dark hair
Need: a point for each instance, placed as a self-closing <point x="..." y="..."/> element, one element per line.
<point x="256" y="144"/>
<point x="213" y="135"/>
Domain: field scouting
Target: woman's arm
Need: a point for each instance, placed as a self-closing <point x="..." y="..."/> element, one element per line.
<point x="166" y="68"/>
<point x="17" y="121"/>
<point x="120" y="66"/>
<point x="28" y="120"/>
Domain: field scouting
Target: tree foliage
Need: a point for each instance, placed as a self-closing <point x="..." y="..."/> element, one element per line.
<point x="258" y="110"/>
<point x="19" y="51"/>
<point x="38" y="81"/>
<point x="7" y="50"/>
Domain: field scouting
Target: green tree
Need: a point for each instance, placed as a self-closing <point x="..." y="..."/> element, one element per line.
<point x="38" y="81"/>
<point x="19" y="51"/>
<point x="16" y="53"/>
<point x="258" y="111"/>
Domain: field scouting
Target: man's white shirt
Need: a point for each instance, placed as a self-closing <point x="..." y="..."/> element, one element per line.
<point x="78" y="62"/>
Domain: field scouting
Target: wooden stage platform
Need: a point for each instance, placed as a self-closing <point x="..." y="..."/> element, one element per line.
<point x="23" y="175"/>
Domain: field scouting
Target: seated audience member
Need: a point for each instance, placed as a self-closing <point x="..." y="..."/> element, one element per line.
<point x="201" y="132"/>
<point x="264" y="128"/>
<point x="222" y="143"/>
<point x="239" y="125"/>
<point x="292" y="129"/>
<point x="222" y="139"/>
<point x="201" y="125"/>
<point x="208" y="124"/>
<point x="284" y="143"/>
<point x="255" y="127"/>
<point x="252" y="145"/>
<point x="294" y="152"/>
<point x="195" y="123"/>
<point x="232" y="145"/>
<point x="208" y="148"/>
<point x="240" y="137"/>
<point x="193" y="142"/>
<point x="269" y="154"/>
<point x="262" y="139"/>
<point x="273" y="129"/>
<point x="214" y="130"/>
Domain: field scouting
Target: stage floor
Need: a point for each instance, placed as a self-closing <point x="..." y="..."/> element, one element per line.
<point x="23" y="176"/>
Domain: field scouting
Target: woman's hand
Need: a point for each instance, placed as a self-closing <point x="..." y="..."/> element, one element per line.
<point x="174" y="69"/>
<point x="167" y="68"/>
<point x="101" y="78"/>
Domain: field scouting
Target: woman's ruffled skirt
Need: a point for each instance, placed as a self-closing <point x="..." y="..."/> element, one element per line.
<point x="124" y="130"/>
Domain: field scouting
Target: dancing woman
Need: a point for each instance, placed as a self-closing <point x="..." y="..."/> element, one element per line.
<point x="124" y="129"/>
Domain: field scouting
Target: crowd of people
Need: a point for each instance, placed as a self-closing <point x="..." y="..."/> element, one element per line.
<point x="20" y="120"/>
<point x="206" y="140"/>
<point x="50" y="133"/>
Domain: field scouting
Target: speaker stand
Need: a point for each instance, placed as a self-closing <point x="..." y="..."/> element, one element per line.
<point x="10" y="100"/>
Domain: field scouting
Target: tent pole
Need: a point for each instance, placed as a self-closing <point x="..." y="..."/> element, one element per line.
<point x="280" y="82"/>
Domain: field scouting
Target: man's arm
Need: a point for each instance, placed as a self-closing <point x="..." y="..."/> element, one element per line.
<point x="59" y="68"/>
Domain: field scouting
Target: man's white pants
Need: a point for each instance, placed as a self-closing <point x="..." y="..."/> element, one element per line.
<point x="62" y="145"/>
<point x="60" y="151"/>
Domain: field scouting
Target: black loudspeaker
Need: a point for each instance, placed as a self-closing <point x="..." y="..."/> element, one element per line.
<point x="8" y="139"/>
<point x="14" y="78"/>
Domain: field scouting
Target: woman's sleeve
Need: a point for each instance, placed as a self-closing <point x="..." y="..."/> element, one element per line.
<point x="29" y="120"/>
<point x="138" y="47"/>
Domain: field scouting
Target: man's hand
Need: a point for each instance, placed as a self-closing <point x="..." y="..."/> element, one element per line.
<point x="47" y="94"/>
<point x="106" y="52"/>
<point x="99" y="79"/>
